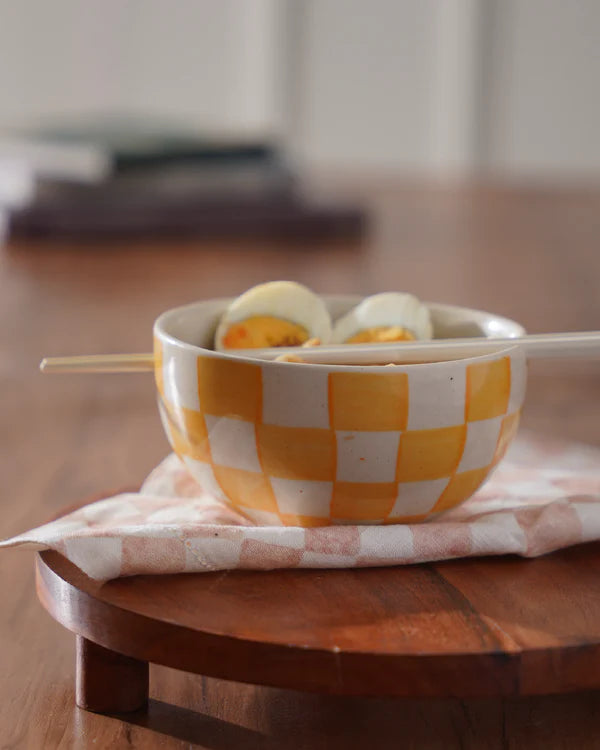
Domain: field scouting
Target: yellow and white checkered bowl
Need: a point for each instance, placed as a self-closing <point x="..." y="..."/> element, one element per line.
<point x="312" y="445"/>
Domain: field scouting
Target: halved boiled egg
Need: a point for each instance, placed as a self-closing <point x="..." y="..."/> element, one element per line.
<point x="391" y="316"/>
<point x="278" y="313"/>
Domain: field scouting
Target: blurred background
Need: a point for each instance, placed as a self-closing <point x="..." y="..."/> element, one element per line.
<point x="511" y="87"/>
<point x="508" y="90"/>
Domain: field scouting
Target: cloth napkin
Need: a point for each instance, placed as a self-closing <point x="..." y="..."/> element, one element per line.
<point x="545" y="495"/>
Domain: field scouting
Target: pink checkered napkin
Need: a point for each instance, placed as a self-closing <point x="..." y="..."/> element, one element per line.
<point x="544" y="496"/>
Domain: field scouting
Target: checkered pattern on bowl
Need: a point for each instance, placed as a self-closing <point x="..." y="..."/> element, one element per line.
<point x="301" y="445"/>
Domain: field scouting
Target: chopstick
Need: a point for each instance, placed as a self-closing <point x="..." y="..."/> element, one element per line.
<point x="546" y="345"/>
<point x="542" y="345"/>
<point x="91" y="363"/>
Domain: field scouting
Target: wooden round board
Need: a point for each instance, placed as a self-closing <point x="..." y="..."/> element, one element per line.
<point x="478" y="627"/>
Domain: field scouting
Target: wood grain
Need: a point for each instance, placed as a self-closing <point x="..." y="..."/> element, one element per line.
<point x="499" y="627"/>
<point x="109" y="682"/>
<point x="531" y="254"/>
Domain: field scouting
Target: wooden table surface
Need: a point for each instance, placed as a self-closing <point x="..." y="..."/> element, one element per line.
<point x="531" y="254"/>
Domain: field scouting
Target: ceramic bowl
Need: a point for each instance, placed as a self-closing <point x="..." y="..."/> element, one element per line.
<point x="311" y="445"/>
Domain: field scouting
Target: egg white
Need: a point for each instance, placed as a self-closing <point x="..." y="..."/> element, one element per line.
<point x="386" y="309"/>
<point x="286" y="300"/>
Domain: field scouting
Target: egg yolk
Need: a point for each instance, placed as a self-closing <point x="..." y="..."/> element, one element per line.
<point x="380" y="335"/>
<point x="264" y="331"/>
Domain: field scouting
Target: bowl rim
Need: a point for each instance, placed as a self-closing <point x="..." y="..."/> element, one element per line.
<point x="503" y="350"/>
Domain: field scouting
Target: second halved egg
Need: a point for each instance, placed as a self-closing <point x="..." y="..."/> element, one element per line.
<point x="390" y="316"/>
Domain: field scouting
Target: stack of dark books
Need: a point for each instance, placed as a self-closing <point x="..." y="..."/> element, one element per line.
<point x="116" y="179"/>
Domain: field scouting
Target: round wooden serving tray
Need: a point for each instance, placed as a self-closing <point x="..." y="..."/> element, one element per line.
<point x="480" y="627"/>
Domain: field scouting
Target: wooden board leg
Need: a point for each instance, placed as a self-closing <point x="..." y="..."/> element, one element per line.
<point x="108" y="682"/>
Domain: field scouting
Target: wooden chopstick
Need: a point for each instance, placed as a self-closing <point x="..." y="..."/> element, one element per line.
<point x="99" y="363"/>
<point x="546" y="345"/>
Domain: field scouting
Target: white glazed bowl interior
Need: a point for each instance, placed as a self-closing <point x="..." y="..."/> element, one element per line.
<point x="196" y="323"/>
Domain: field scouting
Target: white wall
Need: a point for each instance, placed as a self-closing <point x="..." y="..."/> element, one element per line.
<point x="508" y="86"/>
<point x="208" y="62"/>
<point x="420" y="86"/>
<point x="544" y="99"/>
<point x="364" y="86"/>
<point x="61" y="56"/>
<point x="389" y="85"/>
